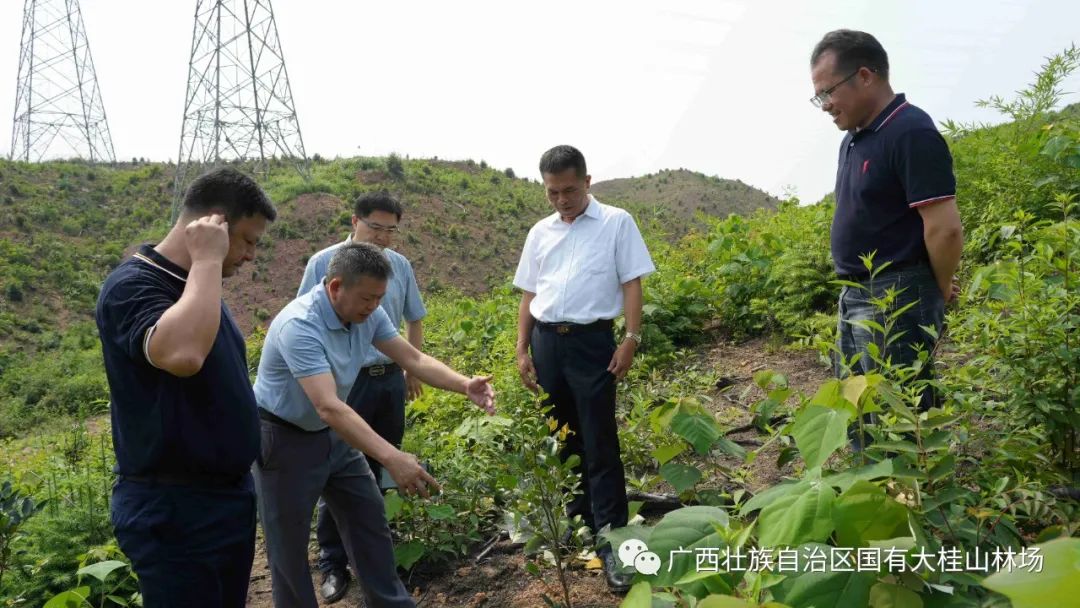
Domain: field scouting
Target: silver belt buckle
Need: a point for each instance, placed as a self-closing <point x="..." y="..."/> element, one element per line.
<point x="376" y="370"/>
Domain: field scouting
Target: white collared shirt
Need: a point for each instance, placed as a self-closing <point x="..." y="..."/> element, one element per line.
<point x="577" y="270"/>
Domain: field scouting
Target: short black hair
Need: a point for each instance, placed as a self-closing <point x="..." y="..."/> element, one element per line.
<point x="377" y="201"/>
<point x="357" y="260"/>
<point x="561" y="158"/>
<point x="853" y="50"/>
<point x="231" y="191"/>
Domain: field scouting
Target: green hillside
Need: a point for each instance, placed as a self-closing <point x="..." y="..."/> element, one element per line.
<point x="64" y="225"/>
<point x="682" y="194"/>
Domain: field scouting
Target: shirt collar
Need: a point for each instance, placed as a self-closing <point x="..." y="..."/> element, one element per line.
<point x="147" y="251"/>
<point x="326" y="309"/>
<point x="890" y="111"/>
<point x="591" y="210"/>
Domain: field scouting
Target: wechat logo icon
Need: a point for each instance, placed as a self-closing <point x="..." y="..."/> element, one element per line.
<point x="635" y="554"/>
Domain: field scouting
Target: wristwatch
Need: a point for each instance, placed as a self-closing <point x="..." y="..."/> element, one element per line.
<point x="635" y="337"/>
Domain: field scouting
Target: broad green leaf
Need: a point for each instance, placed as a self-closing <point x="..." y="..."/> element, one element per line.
<point x="952" y="494"/>
<point x="1058" y="584"/>
<point x="768" y="496"/>
<point x="894" y="446"/>
<point x="694" y="576"/>
<point x="439" y="512"/>
<point x="875" y="470"/>
<point x="767" y="377"/>
<point x="393" y="503"/>
<point x="825" y="589"/>
<point x="885" y="595"/>
<point x="900" y="543"/>
<point x="724" y="601"/>
<point x="685" y="529"/>
<point x="73" y="598"/>
<point x="660" y="418"/>
<point x="864" y="513"/>
<point x="937" y="422"/>
<point x="640" y="596"/>
<point x="829" y="394"/>
<point x="699" y="429"/>
<point x="731" y="448"/>
<point x="101" y="570"/>
<point x="853" y="388"/>
<point x="944" y="468"/>
<point x="665" y="453"/>
<point x="818" y="432"/>
<point x="798" y="517"/>
<point x="407" y="554"/>
<point x="483" y="428"/>
<point x="681" y="476"/>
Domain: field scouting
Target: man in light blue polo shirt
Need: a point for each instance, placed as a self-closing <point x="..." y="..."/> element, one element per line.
<point x="381" y="387"/>
<point x="311" y="437"/>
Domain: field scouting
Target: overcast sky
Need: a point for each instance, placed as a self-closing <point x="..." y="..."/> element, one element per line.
<point x="717" y="87"/>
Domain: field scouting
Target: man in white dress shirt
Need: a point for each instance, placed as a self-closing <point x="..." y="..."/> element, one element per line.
<point x="579" y="267"/>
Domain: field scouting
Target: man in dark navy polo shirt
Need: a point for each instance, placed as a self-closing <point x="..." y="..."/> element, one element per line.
<point x="184" y="423"/>
<point x="895" y="200"/>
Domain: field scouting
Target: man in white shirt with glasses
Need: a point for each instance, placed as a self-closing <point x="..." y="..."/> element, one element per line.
<point x="579" y="268"/>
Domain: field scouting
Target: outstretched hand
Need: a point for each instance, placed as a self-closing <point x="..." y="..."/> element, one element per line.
<point x="479" y="390"/>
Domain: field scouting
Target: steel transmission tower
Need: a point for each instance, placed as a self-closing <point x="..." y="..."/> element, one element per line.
<point x="238" y="105"/>
<point x="58" y="107"/>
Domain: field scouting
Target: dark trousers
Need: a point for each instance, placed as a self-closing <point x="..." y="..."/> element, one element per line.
<point x="189" y="546"/>
<point x="572" y="369"/>
<point x="294" y="469"/>
<point x="916" y="285"/>
<point x="380" y="401"/>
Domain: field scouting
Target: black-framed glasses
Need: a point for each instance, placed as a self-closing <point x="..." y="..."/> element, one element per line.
<point x="380" y="227"/>
<point x="821" y="98"/>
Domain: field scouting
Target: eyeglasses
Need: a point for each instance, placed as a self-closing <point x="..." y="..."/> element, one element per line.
<point x="380" y="227"/>
<point x="823" y="97"/>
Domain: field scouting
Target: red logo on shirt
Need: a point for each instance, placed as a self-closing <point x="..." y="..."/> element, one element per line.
<point x="865" y="166"/>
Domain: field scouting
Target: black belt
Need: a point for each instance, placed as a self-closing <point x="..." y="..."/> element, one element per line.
<point x="204" y="480"/>
<point x="379" y="370"/>
<point x="267" y="416"/>
<point x="565" y="329"/>
<point x="862" y="277"/>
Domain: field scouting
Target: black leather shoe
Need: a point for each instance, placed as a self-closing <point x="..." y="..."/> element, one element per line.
<point x="618" y="582"/>
<point x="334" y="586"/>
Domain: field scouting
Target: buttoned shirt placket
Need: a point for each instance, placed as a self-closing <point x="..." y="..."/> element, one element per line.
<point x="574" y="236"/>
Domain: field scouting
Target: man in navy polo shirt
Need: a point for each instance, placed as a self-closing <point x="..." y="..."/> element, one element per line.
<point x="895" y="200"/>
<point x="184" y="422"/>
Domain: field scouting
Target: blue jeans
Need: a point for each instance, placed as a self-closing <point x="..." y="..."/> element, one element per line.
<point x="916" y="285"/>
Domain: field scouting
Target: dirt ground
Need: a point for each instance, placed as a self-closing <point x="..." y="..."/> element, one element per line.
<point x="500" y="579"/>
<point x="737" y="363"/>
<point x="497" y="581"/>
